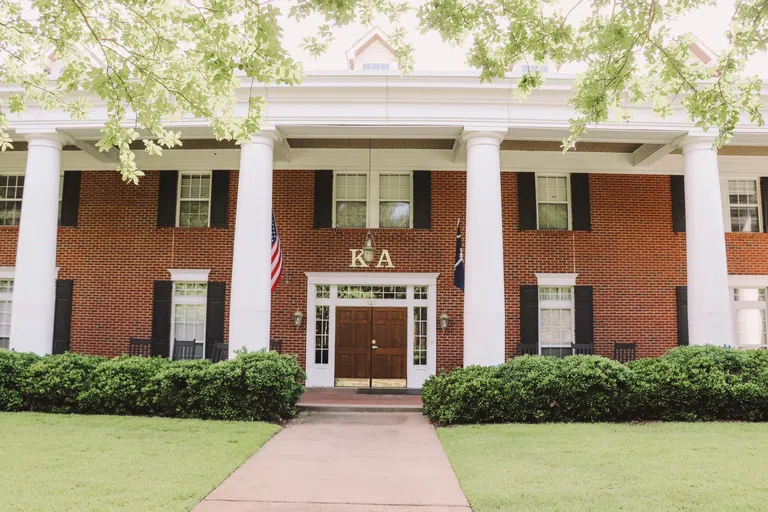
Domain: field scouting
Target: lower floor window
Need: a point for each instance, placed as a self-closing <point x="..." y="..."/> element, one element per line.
<point x="555" y="319"/>
<point x="189" y="309"/>
<point x="6" y="295"/>
<point x="749" y="317"/>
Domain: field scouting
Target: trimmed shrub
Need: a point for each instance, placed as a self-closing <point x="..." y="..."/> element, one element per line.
<point x="54" y="383"/>
<point x="12" y="366"/>
<point x="686" y="384"/>
<point x="254" y="386"/>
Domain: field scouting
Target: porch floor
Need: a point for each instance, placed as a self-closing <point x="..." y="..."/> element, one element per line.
<point x="348" y="399"/>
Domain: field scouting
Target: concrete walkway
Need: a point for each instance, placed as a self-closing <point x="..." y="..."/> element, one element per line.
<point x="345" y="462"/>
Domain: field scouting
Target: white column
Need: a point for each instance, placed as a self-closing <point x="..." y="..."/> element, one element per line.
<point x="709" y="312"/>
<point x="250" y="300"/>
<point x="34" y="287"/>
<point x="484" y="267"/>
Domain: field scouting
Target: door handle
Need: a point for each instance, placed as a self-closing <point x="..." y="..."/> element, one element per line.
<point x="374" y="347"/>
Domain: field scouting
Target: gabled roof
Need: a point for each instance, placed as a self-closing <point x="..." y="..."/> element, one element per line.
<point x="373" y="35"/>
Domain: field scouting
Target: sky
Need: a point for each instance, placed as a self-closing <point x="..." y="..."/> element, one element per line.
<point x="432" y="54"/>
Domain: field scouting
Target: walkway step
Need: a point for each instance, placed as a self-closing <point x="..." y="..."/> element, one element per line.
<point x="358" y="408"/>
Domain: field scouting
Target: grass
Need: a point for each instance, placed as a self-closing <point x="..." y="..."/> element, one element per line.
<point x="118" y="463"/>
<point x="605" y="467"/>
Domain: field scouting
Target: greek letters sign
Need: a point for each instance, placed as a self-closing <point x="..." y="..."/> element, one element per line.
<point x="385" y="261"/>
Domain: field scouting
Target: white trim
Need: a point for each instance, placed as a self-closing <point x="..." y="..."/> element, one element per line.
<point x="556" y="279"/>
<point x="323" y="375"/>
<point x="10" y="272"/>
<point x="747" y="281"/>
<point x="189" y="275"/>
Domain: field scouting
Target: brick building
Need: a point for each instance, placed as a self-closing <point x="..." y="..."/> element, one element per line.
<point x="644" y="235"/>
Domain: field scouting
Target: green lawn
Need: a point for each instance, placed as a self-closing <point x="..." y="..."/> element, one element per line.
<point x="117" y="463"/>
<point x="649" y="467"/>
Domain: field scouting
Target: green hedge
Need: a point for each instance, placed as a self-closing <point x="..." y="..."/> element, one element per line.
<point x="686" y="384"/>
<point x="262" y="386"/>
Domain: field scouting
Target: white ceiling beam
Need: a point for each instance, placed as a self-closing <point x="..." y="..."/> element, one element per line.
<point x="459" y="149"/>
<point x="112" y="156"/>
<point x="648" y="154"/>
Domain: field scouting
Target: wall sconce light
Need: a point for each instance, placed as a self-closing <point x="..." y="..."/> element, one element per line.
<point x="444" y="321"/>
<point x="298" y="316"/>
<point x="368" y="248"/>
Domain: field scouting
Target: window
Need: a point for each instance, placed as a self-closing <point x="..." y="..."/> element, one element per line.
<point x="351" y="200"/>
<point x="555" y="318"/>
<point x="420" y="292"/>
<point x="194" y="199"/>
<point x="375" y="66"/>
<point x="11" y="191"/>
<point x="189" y="305"/>
<point x="552" y="202"/>
<point x="420" y="336"/>
<point x="743" y="205"/>
<point x="371" y="292"/>
<point x="61" y="193"/>
<point x="749" y="317"/>
<point x="322" y="333"/>
<point x="386" y="205"/>
<point x="6" y="297"/>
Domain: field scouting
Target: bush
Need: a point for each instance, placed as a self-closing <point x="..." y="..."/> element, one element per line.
<point x="254" y="386"/>
<point x="12" y="366"/>
<point x="686" y="384"/>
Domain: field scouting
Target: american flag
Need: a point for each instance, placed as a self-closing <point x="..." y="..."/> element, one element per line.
<point x="277" y="256"/>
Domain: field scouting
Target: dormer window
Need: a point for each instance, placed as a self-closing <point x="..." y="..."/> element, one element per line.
<point x="372" y="52"/>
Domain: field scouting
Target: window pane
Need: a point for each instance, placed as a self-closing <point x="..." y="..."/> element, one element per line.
<point x="750" y="327"/>
<point x="394" y="214"/>
<point x="555" y="327"/>
<point x="322" y="291"/>
<point x="749" y="294"/>
<point x="420" y="336"/>
<point x="351" y="187"/>
<point x="420" y="292"/>
<point x="350" y="214"/>
<point x="553" y="216"/>
<point x="744" y="219"/>
<point x="322" y="330"/>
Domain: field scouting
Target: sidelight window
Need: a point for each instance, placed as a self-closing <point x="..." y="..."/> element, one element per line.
<point x="6" y="297"/>
<point x="322" y="333"/>
<point x="420" y="336"/>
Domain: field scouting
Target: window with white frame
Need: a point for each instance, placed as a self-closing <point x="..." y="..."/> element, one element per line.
<point x="6" y="298"/>
<point x="749" y="317"/>
<point x="555" y="318"/>
<point x="743" y="205"/>
<point x="419" y="335"/>
<point x="386" y="205"/>
<point x="11" y="192"/>
<point x="194" y="208"/>
<point x="189" y="308"/>
<point x="376" y="66"/>
<point x="552" y="202"/>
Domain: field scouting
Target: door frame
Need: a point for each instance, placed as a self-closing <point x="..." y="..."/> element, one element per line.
<point x="322" y="375"/>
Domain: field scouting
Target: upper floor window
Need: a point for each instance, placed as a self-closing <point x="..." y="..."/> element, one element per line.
<point x="386" y="205"/>
<point x="194" y="199"/>
<point x="552" y="200"/>
<point x="11" y="192"/>
<point x="376" y="66"/>
<point x="743" y="205"/>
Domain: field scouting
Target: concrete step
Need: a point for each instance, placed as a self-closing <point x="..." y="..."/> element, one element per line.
<point x="358" y="407"/>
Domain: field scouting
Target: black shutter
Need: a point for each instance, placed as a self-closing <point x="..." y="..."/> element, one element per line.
<point x="526" y="200"/>
<point x="529" y="314"/>
<point x="323" y="199"/>
<point x="677" y="188"/>
<point x="62" y="316"/>
<point x="764" y="193"/>
<point x="422" y="200"/>
<point x="166" y="199"/>
<point x="219" y="199"/>
<point x="214" y="317"/>
<point x="581" y="218"/>
<point x="682" y="315"/>
<point x="161" y="318"/>
<point x="584" y="329"/>
<point x="70" y="198"/>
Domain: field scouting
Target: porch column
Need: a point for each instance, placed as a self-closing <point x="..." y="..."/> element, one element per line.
<point x="484" y="266"/>
<point x="709" y="312"/>
<point x="250" y="299"/>
<point x="34" y="287"/>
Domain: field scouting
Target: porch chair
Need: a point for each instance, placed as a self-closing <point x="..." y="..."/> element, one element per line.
<point x="183" y="350"/>
<point x="139" y="347"/>
<point x="276" y="345"/>
<point x="624" y="352"/>
<point x="582" y="349"/>
<point x="527" y="349"/>
<point x="220" y="352"/>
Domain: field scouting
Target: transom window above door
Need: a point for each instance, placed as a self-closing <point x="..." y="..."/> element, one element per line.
<point x="373" y="200"/>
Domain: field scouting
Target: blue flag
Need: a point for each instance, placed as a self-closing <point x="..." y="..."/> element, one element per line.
<point x="458" y="265"/>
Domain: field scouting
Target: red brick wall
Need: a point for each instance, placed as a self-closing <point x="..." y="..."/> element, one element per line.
<point x="631" y="258"/>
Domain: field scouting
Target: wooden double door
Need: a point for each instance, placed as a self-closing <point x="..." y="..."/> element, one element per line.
<point x="371" y="346"/>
